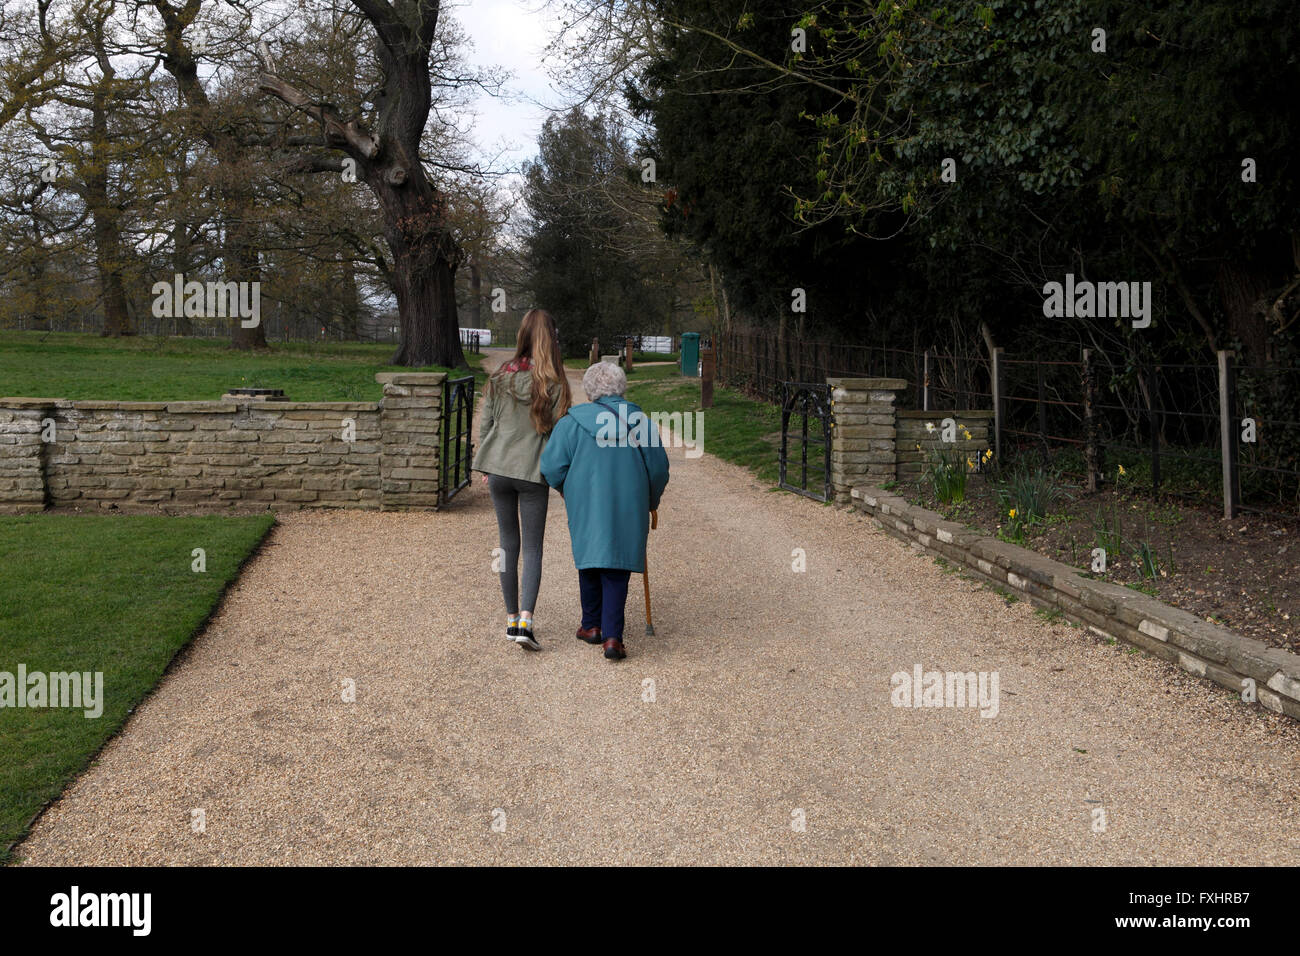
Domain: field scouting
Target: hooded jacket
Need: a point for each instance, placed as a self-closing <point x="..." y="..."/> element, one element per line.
<point x="607" y="460"/>
<point x="509" y="445"/>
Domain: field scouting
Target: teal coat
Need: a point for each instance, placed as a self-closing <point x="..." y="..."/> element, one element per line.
<point x="609" y="487"/>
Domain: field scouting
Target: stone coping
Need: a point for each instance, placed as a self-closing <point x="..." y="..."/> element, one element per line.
<point x="195" y="407"/>
<point x="410" y="378"/>
<point x="944" y="413"/>
<point x="1107" y="609"/>
<point x="873" y="384"/>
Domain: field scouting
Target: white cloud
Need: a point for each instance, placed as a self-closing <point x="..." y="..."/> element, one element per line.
<point x="512" y="34"/>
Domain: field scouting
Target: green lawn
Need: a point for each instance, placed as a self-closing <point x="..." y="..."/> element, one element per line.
<point x="738" y="429"/>
<point x="114" y="594"/>
<point x="76" y="366"/>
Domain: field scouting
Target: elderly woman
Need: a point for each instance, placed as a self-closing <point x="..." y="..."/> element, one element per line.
<point x="606" y="460"/>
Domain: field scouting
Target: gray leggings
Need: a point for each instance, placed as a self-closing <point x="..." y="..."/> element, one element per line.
<point x="520" y="502"/>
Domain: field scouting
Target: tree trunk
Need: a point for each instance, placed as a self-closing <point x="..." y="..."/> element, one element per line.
<point x="476" y="296"/>
<point x="1241" y="288"/>
<point x="425" y="285"/>
<point x="180" y="265"/>
<point x="349" y="301"/>
<point x="243" y="264"/>
<point x="424" y="270"/>
<point x="241" y="249"/>
<point x="106" y="218"/>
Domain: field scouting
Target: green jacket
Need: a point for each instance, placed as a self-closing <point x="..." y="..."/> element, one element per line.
<point x="508" y="444"/>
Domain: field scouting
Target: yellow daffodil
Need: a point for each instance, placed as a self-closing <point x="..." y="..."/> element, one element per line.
<point x="1011" y="513"/>
<point x="1122" y="471"/>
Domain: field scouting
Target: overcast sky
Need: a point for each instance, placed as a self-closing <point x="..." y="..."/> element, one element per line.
<point x="511" y="34"/>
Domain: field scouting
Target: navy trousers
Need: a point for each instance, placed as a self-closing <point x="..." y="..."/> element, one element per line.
<point x="604" y="592"/>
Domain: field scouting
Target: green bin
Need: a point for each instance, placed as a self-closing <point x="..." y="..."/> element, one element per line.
<point x="691" y="354"/>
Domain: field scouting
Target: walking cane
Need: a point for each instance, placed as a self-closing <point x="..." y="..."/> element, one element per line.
<point x="645" y="577"/>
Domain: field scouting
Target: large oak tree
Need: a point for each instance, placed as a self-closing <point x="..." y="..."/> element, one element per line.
<point x="384" y="150"/>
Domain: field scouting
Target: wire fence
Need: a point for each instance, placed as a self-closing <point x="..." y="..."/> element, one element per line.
<point x="1198" y="432"/>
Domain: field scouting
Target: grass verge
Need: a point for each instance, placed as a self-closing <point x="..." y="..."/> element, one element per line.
<point x="114" y="594"/>
<point x="738" y="428"/>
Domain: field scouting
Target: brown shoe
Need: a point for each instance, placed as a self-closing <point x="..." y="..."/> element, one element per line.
<point x="614" y="649"/>
<point x="589" y="634"/>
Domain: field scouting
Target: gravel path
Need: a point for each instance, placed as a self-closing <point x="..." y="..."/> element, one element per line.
<point x="771" y="704"/>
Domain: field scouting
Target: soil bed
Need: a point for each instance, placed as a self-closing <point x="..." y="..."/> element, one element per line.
<point x="1242" y="573"/>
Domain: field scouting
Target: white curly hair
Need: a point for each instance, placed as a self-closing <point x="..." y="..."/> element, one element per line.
<point x="603" y="378"/>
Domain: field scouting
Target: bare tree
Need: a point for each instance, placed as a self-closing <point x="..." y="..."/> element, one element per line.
<point x="384" y="152"/>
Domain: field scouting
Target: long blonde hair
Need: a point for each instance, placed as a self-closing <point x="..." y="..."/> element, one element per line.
<point x="539" y="343"/>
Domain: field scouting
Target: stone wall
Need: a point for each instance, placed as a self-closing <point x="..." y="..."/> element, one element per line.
<point x="233" y="454"/>
<point x="912" y="432"/>
<point x="1108" y="610"/>
<point x="873" y="442"/>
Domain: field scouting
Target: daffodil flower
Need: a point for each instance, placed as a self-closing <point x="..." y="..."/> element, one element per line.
<point x="1011" y="513"/>
<point x="929" y="426"/>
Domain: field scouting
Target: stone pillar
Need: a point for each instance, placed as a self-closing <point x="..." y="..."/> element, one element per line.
<point x="410" y="426"/>
<point x="863" y="437"/>
<point x="22" y="454"/>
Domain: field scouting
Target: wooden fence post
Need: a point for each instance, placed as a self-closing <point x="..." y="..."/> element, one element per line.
<point x="925" y="379"/>
<point x="1042" y="410"/>
<point x="1228" y="434"/>
<point x="1154" y="424"/>
<point x="706" y="377"/>
<point x="997" y="403"/>
<point x="1092" y="451"/>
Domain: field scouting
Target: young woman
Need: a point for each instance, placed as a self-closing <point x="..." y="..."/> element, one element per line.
<point x="523" y="400"/>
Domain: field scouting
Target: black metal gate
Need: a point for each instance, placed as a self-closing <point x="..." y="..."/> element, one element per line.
<point x="811" y="403"/>
<point x="457" y="438"/>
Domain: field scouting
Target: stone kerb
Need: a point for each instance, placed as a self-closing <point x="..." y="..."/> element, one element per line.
<point x="1267" y="675"/>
